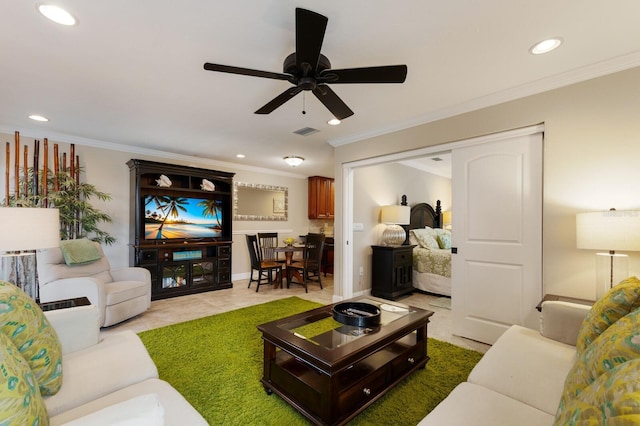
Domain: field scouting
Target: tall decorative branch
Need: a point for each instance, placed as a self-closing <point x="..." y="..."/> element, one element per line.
<point x="61" y="189"/>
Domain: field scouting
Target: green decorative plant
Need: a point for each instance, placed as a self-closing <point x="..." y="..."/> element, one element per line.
<point x="78" y="218"/>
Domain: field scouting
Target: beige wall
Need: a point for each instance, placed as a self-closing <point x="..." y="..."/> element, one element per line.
<point x="107" y="170"/>
<point x="591" y="152"/>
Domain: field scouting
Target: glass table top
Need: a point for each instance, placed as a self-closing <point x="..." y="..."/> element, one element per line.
<point x="322" y="330"/>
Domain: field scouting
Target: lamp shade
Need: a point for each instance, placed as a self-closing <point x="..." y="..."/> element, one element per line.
<point x="611" y="230"/>
<point x="26" y="228"/>
<point x="446" y="218"/>
<point x="396" y="215"/>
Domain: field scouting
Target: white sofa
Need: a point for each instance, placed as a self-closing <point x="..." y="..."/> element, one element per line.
<point x="112" y="380"/>
<point x="520" y="380"/>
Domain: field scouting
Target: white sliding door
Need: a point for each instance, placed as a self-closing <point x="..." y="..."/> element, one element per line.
<point x="497" y="230"/>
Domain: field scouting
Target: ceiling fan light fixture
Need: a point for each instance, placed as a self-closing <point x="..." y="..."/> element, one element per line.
<point x="294" y="161"/>
<point x="546" y="46"/>
<point x="57" y="14"/>
<point x="333" y="122"/>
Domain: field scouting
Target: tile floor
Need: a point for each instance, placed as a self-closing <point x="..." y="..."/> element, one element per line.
<point x="178" y="309"/>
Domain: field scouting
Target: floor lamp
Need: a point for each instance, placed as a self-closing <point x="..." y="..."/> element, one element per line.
<point x="23" y="230"/>
<point x="612" y="230"/>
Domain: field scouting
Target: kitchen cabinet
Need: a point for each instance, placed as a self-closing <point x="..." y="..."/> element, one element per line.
<point x="321" y="197"/>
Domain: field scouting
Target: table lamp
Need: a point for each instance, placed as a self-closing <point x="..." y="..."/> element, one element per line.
<point x="25" y="230"/>
<point x="612" y="230"/>
<point x="446" y="220"/>
<point x="393" y="217"/>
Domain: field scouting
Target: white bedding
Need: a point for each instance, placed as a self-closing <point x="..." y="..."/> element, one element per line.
<point x="432" y="283"/>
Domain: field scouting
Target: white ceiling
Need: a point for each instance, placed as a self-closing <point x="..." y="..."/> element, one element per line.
<point x="131" y="72"/>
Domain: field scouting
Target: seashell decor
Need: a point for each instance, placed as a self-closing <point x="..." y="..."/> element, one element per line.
<point x="207" y="185"/>
<point x="164" y="181"/>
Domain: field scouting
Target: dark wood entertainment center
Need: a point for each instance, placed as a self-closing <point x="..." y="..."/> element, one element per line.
<point x="180" y="262"/>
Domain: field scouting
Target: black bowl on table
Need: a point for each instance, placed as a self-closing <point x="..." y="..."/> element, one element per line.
<point x="358" y="314"/>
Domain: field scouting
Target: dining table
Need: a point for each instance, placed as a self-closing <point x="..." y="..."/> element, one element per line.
<point x="288" y="256"/>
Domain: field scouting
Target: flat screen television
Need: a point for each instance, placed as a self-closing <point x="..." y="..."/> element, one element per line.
<point x="183" y="218"/>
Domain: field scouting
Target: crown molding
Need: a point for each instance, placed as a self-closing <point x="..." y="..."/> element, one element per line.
<point x="37" y="133"/>
<point x="589" y="72"/>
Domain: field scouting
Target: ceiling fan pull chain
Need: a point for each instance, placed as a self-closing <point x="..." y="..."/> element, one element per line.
<point x="304" y="98"/>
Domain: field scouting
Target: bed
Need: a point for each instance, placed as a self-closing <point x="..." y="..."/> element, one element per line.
<point x="432" y="254"/>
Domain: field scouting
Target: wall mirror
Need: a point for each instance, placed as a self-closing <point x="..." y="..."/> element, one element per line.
<point x="259" y="202"/>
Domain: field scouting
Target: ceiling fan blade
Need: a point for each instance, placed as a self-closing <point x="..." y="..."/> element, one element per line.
<point x="383" y="74"/>
<point x="310" y="28"/>
<point x="328" y="97"/>
<point x="279" y="100"/>
<point x="246" y="71"/>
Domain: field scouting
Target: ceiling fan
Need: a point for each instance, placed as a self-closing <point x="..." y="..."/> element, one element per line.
<point x="307" y="69"/>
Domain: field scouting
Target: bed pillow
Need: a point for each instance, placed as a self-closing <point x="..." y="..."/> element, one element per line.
<point x="20" y="399"/>
<point x="614" y="398"/>
<point x="616" y="303"/>
<point x="617" y="345"/>
<point x="22" y="320"/>
<point x="79" y="252"/>
<point x="444" y="241"/>
<point x="426" y="238"/>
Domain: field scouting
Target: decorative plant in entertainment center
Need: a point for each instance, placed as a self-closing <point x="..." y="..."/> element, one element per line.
<point x="59" y="188"/>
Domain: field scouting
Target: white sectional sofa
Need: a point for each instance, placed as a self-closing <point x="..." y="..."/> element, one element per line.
<point x="110" y="380"/>
<point x="519" y="381"/>
<point x="581" y="368"/>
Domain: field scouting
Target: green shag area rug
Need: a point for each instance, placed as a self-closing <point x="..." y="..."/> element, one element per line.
<point x="216" y="364"/>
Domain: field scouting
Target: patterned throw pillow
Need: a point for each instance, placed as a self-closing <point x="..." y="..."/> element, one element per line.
<point x="426" y="238"/>
<point x="22" y="320"/>
<point x="614" y="398"/>
<point x="444" y="241"/>
<point x="20" y="400"/>
<point x="617" y="345"/>
<point x="616" y="303"/>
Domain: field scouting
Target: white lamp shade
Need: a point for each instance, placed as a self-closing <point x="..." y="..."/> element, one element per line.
<point x="611" y="230"/>
<point x="26" y="228"/>
<point x="396" y="215"/>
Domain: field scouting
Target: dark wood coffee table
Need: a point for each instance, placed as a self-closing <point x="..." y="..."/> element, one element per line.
<point x="330" y="372"/>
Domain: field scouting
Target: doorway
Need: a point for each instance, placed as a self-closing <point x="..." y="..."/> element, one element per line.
<point x="356" y="242"/>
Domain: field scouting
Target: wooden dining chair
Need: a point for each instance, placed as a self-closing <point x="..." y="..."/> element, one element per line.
<point x="264" y="268"/>
<point x="268" y="241"/>
<point x="309" y="265"/>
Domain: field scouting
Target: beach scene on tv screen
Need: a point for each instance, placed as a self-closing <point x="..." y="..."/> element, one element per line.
<point x="181" y="218"/>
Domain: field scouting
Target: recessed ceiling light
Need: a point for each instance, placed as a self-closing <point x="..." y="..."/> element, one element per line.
<point x="333" y="122"/>
<point x="36" y="117"/>
<point x="546" y="46"/>
<point x="57" y="14"/>
<point x="239" y="155"/>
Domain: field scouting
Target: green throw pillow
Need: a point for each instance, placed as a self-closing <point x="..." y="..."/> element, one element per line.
<point x="613" y="399"/>
<point x="617" y="345"/>
<point x="616" y="303"/>
<point x="444" y="241"/>
<point x="79" y="252"/>
<point x="20" y="399"/>
<point x="22" y="320"/>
